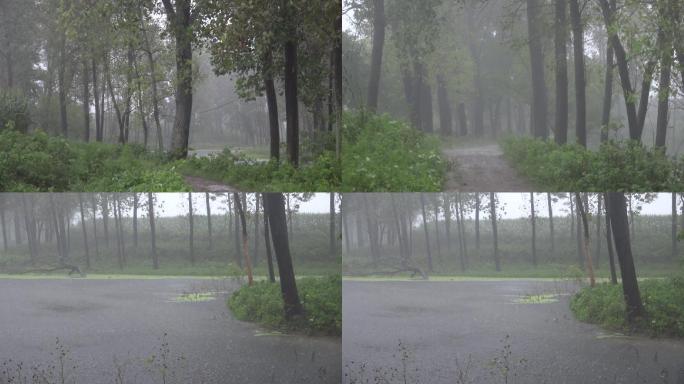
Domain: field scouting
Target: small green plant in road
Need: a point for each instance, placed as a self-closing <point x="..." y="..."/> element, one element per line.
<point x="321" y="297"/>
<point x="382" y="154"/>
<point x="663" y="300"/>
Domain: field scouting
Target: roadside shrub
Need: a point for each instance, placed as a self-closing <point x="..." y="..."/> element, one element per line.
<point x="663" y="300"/>
<point x="39" y="162"/>
<point x="381" y="154"/>
<point x="321" y="297"/>
<point x="625" y="166"/>
<point x="14" y="112"/>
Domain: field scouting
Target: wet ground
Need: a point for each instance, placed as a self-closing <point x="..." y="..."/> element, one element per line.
<point x="483" y="168"/>
<point x="136" y="327"/>
<point x="487" y="332"/>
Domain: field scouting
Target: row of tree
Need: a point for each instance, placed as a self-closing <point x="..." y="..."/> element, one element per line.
<point x="410" y="230"/>
<point x="126" y="56"/>
<point x="488" y="60"/>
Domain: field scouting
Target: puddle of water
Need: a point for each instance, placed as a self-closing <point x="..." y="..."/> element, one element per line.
<point x="537" y="299"/>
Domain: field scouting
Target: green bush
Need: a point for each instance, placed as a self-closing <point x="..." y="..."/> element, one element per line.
<point x="14" y="112"/>
<point x="247" y="174"/>
<point x="614" y="167"/>
<point x="381" y="154"/>
<point x="321" y="297"/>
<point x="663" y="300"/>
<point x="39" y="162"/>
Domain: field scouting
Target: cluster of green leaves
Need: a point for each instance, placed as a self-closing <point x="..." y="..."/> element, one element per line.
<point x="14" y="112"/>
<point x="321" y="298"/>
<point x="615" y="166"/>
<point x="663" y="300"/>
<point x="39" y="162"/>
<point x="240" y="171"/>
<point x="382" y="154"/>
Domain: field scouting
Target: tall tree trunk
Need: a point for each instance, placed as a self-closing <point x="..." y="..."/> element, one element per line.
<point x="427" y="238"/>
<point x="333" y="237"/>
<point x="674" y="227"/>
<point x="257" y="204"/>
<point x="445" y="114"/>
<point x="272" y="102"/>
<point x="609" y="241"/>
<point x="288" y="284"/>
<point x="495" y="236"/>
<point x="462" y="119"/>
<point x="607" y="90"/>
<point x="86" y="102"/>
<point x="477" y="223"/>
<point x="666" y="49"/>
<point x="534" y="23"/>
<point x="599" y="209"/>
<point x="96" y="101"/>
<point x="267" y="241"/>
<point x="4" y="224"/>
<point x="585" y="226"/>
<point x="85" y="232"/>
<point x="533" y="220"/>
<point x="206" y="198"/>
<point x="105" y="218"/>
<point x="61" y="79"/>
<point x="135" y="220"/>
<point x="93" y="203"/>
<point x="291" y="91"/>
<point x="561" y="39"/>
<point x="153" y="234"/>
<point x="180" y="20"/>
<point x="439" y="250"/>
<point x="580" y="82"/>
<point x="191" y="235"/>
<point x="153" y="81"/>
<point x="245" y="242"/>
<point x="236" y="234"/>
<point x="630" y="286"/>
<point x="551" y="232"/>
<point x="376" y="56"/>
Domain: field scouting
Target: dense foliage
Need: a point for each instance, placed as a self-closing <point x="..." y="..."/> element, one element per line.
<point x="614" y="167"/>
<point x="321" y="298"/>
<point x="382" y="154"/>
<point x="247" y="174"/>
<point x="14" y="112"/>
<point x="39" y="162"/>
<point x="663" y="301"/>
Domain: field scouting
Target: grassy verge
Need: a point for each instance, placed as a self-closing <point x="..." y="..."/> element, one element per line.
<point x="321" y="297"/>
<point x="614" y="167"/>
<point x="663" y="300"/>
<point x="381" y="154"/>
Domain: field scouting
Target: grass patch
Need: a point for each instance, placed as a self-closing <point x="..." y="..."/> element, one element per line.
<point x="381" y="154"/>
<point x="321" y="297"/>
<point x="663" y="300"/>
<point x="627" y="166"/>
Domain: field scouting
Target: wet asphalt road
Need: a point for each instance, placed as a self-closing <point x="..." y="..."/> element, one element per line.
<point x="440" y="323"/>
<point x="101" y="321"/>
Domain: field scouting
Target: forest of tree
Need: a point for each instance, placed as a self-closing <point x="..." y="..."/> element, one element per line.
<point x="578" y="71"/>
<point x="457" y="233"/>
<point x="140" y="71"/>
<point x="145" y="233"/>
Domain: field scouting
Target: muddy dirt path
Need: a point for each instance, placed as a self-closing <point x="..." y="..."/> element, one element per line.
<point x="483" y="168"/>
<point x="200" y="184"/>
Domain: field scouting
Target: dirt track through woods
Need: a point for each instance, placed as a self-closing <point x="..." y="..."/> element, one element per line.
<point x="483" y="168"/>
<point x="200" y="184"/>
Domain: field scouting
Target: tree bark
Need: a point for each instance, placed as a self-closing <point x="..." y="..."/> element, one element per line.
<point x="333" y="237"/>
<point x="608" y="89"/>
<point x="288" y="284"/>
<point x="135" y="220"/>
<point x="153" y="235"/>
<point x="674" y="227"/>
<point x="191" y="235"/>
<point x="267" y="241"/>
<point x="180" y="20"/>
<point x="206" y="197"/>
<point x="609" y="241"/>
<point x="86" y="102"/>
<point x="245" y="240"/>
<point x="539" y="112"/>
<point x="630" y="286"/>
<point x="585" y="226"/>
<point x="560" y="41"/>
<point x="551" y="232"/>
<point x="427" y="237"/>
<point x="580" y="82"/>
<point x="534" y="230"/>
<point x="85" y="232"/>
<point x="291" y="93"/>
<point x="376" y="56"/>
<point x="272" y="102"/>
<point x="495" y="237"/>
